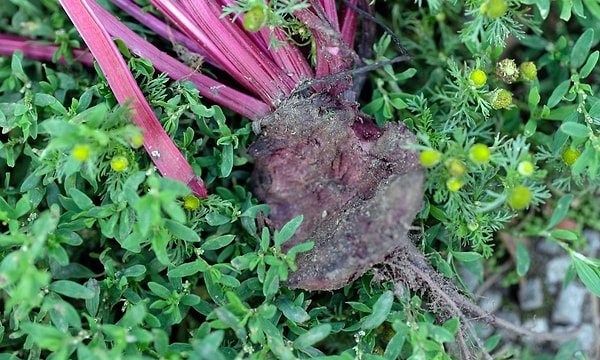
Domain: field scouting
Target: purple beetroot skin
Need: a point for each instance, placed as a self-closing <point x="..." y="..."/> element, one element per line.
<point x="357" y="185"/>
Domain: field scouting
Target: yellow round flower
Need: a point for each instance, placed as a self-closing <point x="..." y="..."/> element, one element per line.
<point x="569" y="156"/>
<point x="255" y="18"/>
<point x="455" y="167"/>
<point x="119" y="163"/>
<point x="190" y="202"/>
<point x="479" y="153"/>
<point x="495" y="8"/>
<point x="136" y="141"/>
<point x="478" y="77"/>
<point x="501" y="99"/>
<point x="81" y="152"/>
<point x="520" y="197"/>
<point x="525" y="168"/>
<point x="454" y="184"/>
<point x="528" y="70"/>
<point x="430" y="158"/>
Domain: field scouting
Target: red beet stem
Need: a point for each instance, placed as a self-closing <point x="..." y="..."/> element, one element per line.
<point x="165" y="155"/>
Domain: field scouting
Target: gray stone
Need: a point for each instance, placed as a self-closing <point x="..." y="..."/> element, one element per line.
<point x="571" y="332"/>
<point x="511" y="317"/>
<point x="568" y="309"/>
<point x="491" y="301"/>
<point x="587" y="337"/>
<point x="531" y="294"/>
<point x="538" y="325"/>
<point x="593" y="239"/>
<point x="556" y="269"/>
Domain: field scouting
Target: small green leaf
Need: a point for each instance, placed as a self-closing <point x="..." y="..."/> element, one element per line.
<point x="394" y="347"/>
<point x="491" y="342"/>
<point x="81" y="199"/>
<point x="71" y="289"/>
<point x="589" y="65"/>
<point x="593" y="7"/>
<point x="523" y="260"/>
<point x="159" y="290"/>
<point x="544" y="7"/>
<point x="564" y="234"/>
<point x="271" y="283"/>
<point x="374" y="106"/>
<point x="46" y="336"/>
<point x="181" y="231"/>
<point x="214" y="243"/>
<point x="43" y="100"/>
<point x="92" y="304"/>
<point x="135" y="271"/>
<point x="534" y="98"/>
<point x="226" y="160"/>
<point x="452" y="325"/>
<point x="291" y="311"/>
<point x="565" y="11"/>
<point x="216" y="219"/>
<point x="312" y="336"/>
<point x="288" y="230"/>
<point x="188" y="269"/>
<point x="575" y="130"/>
<point x="590" y="276"/>
<point x="159" y="242"/>
<point x="467" y="256"/>
<point x="581" y="49"/>
<point x="212" y="286"/>
<point x="558" y="93"/>
<point x="381" y="309"/>
<point x="406" y="74"/>
<point x="561" y="210"/>
<point x="530" y="128"/>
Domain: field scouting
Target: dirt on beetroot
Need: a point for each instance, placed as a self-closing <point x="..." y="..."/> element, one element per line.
<point x="358" y="186"/>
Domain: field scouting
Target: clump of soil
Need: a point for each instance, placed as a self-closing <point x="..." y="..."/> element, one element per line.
<point x="358" y="186"/>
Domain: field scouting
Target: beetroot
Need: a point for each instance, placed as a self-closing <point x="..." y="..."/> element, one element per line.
<point x="357" y="185"/>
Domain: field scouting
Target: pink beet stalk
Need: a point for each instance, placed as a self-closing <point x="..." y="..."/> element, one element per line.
<point x="32" y="50"/>
<point x="167" y="158"/>
<point x="237" y="101"/>
<point x="230" y="47"/>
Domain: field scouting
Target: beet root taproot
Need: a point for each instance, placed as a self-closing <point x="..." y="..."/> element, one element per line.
<point x="357" y="185"/>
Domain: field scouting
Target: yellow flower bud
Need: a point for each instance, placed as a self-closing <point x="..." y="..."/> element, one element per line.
<point x="119" y="163"/>
<point x="136" y="141"/>
<point x="455" y="167"/>
<point x="528" y="70"/>
<point x="81" y="152"/>
<point x="495" y="8"/>
<point x="479" y="153"/>
<point x="454" y="184"/>
<point x="190" y="202"/>
<point x="430" y="158"/>
<point x="501" y="99"/>
<point x="569" y="156"/>
<point x="478" y="77"/>
<point x="255" y="18"/>
<point x="525" y="168"/>
<point x="520" y="197"/>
